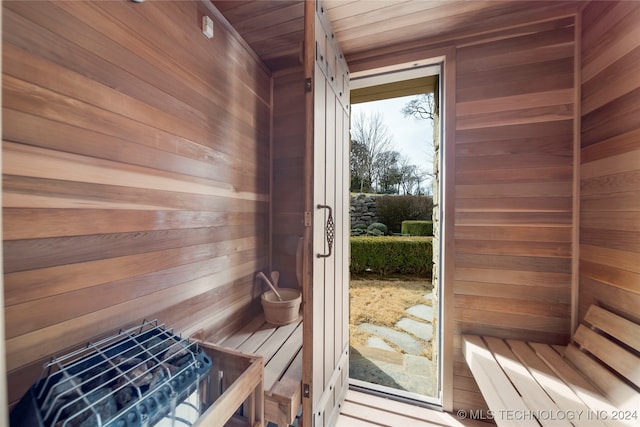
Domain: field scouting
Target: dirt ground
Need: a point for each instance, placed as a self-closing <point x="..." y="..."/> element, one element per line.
<point x="383" y="302"/>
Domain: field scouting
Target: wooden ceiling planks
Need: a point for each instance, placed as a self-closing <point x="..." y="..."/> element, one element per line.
<point x="274" y="29"/>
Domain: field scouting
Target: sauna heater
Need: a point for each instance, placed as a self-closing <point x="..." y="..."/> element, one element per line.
<point x="139" y="377"/>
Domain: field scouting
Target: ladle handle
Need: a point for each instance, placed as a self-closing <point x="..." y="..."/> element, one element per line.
<point x="273" y="288"/>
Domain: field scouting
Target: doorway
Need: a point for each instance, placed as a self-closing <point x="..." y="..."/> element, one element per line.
<point x="394" y="310"/>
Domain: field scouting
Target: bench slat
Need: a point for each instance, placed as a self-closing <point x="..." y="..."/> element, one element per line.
<point x="285" y="397"/>
<point x="290" y="380"/>
<point x="610" y="353"/>
<point x="276" y="340"/>
<point x="617" y="391"/>
<point x="614" y="325"/>
<point x="253" y="343"/>
<point x="294" y="371"/>
<point x="592" y="381"/>
<point x="242" y="334"/>
<point x="283" y="358"/>
<point x="532" y="393"/>
<point x="494" y="384"/>
<point x="561" y="393"/>
<point x="580" y="386"/>
<point x="281" y="349"/>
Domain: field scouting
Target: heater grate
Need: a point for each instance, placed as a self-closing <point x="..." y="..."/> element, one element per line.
<point x="134" y="378"/>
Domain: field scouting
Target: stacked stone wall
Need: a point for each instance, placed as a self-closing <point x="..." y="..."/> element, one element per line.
<point x="363" y="210"/>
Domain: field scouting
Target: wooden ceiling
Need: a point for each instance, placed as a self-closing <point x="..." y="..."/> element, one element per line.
<point x="275" y="30"/>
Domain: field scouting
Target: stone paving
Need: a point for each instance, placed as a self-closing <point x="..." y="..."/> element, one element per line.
<point x="379" y="363"/>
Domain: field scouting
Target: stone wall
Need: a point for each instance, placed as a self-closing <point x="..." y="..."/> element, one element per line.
<point x="435" y="273"/>
<point x="363" y="209"/>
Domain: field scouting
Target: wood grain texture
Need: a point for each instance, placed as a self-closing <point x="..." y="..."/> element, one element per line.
<point x="136" y="175"/>
<point x="514" y="187"/>
<point x="610" y="155"/>
<point x="288" y="171"/>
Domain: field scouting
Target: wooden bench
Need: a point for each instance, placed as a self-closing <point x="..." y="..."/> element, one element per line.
<point x="281" y="348"/>
<point x="595" y="380"/>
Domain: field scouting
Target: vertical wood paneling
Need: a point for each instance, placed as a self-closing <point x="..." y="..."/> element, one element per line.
<point x="514" y="175"/>
<point x="326" y="354"/>
<point x="135" y="175"/>
<point x="610" y="170"/>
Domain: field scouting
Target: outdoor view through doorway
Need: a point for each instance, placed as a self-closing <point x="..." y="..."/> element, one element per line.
<point x="393" y="303"/>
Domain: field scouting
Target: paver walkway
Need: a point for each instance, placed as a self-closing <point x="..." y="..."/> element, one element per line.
<point x="379" y="363"/>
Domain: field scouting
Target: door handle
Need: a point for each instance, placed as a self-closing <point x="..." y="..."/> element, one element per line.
<point x="330" y="230"/>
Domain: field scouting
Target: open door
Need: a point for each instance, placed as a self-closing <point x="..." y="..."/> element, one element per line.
<point x="326" y="281"/>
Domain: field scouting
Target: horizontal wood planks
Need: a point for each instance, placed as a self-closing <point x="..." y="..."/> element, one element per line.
<point x="288" y="171"/>
<point x="610" y="155"/>
<point x="513" y="189"/>
<point x="136" y="175"/>
<point x="367" y="410"/>
<point x="273" y="29"/>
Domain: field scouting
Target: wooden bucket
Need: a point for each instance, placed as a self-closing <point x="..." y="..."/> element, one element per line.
<point x="281" y="312"/>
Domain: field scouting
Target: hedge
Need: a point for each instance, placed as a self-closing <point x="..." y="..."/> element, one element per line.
<point x="417" y="228"/>
<point x="392" y="210"/>
<point x="386" y="254"/>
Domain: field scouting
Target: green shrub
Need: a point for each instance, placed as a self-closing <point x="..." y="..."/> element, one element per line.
<point x="417" y="228"/>
<point x="360" y="226"/>
<point x="377" y="226"/>
<point x="386" y="255"/>
<point x="392" y="210"/>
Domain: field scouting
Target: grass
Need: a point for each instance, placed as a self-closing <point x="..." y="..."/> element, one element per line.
<point x="383" y="302"/>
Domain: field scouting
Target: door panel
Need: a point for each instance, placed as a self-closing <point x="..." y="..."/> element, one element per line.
<point x="326" y="341"/>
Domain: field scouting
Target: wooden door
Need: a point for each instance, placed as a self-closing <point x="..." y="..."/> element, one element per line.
<point x="326" y="309"/>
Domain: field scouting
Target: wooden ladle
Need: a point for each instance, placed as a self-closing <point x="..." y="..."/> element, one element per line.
<point x="273" y="288"/>
<point x="275" y="277"/>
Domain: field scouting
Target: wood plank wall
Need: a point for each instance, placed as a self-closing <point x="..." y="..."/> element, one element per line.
<point x="288" y="171"/>
<point x="513" y="189"/>
<point x="136" y="171"/>
<point x="610" y="157"/>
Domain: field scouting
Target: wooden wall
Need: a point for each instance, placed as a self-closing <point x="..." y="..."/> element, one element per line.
<point x="513" y="189"/>
<point x="610" y="156"/>
<point x="136" y="174"/>
<point x="288" y="171"/>
<point x="509" y="142"/>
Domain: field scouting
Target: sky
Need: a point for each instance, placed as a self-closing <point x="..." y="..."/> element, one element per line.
<point x="411" y="137"/>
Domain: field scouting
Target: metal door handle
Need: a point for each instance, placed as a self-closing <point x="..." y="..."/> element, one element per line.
<point x="330" y="230"/>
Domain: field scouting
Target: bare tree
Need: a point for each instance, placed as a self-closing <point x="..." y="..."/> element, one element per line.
<point x="411" y="177"/>
<point x="373" y="138"/>
<point x="422" y="107"/>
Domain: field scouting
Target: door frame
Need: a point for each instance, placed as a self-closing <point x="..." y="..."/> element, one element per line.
<point x="446" y="55"/>
<point x="387" y="76"/>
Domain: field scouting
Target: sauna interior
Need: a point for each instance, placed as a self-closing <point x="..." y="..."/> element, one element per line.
<point x="150" y="171"/>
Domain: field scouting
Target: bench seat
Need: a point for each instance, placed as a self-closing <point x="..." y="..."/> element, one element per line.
<point x="281" y="348"/>
<point x="593" y="381"/>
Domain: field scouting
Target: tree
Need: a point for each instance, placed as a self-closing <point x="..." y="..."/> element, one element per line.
<point x="372" y="138"/>
<point x="412" y="178"/>
<point x="422" y="107"/>
<point x="387" y="172"/>
<point x="358" y="163"/>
